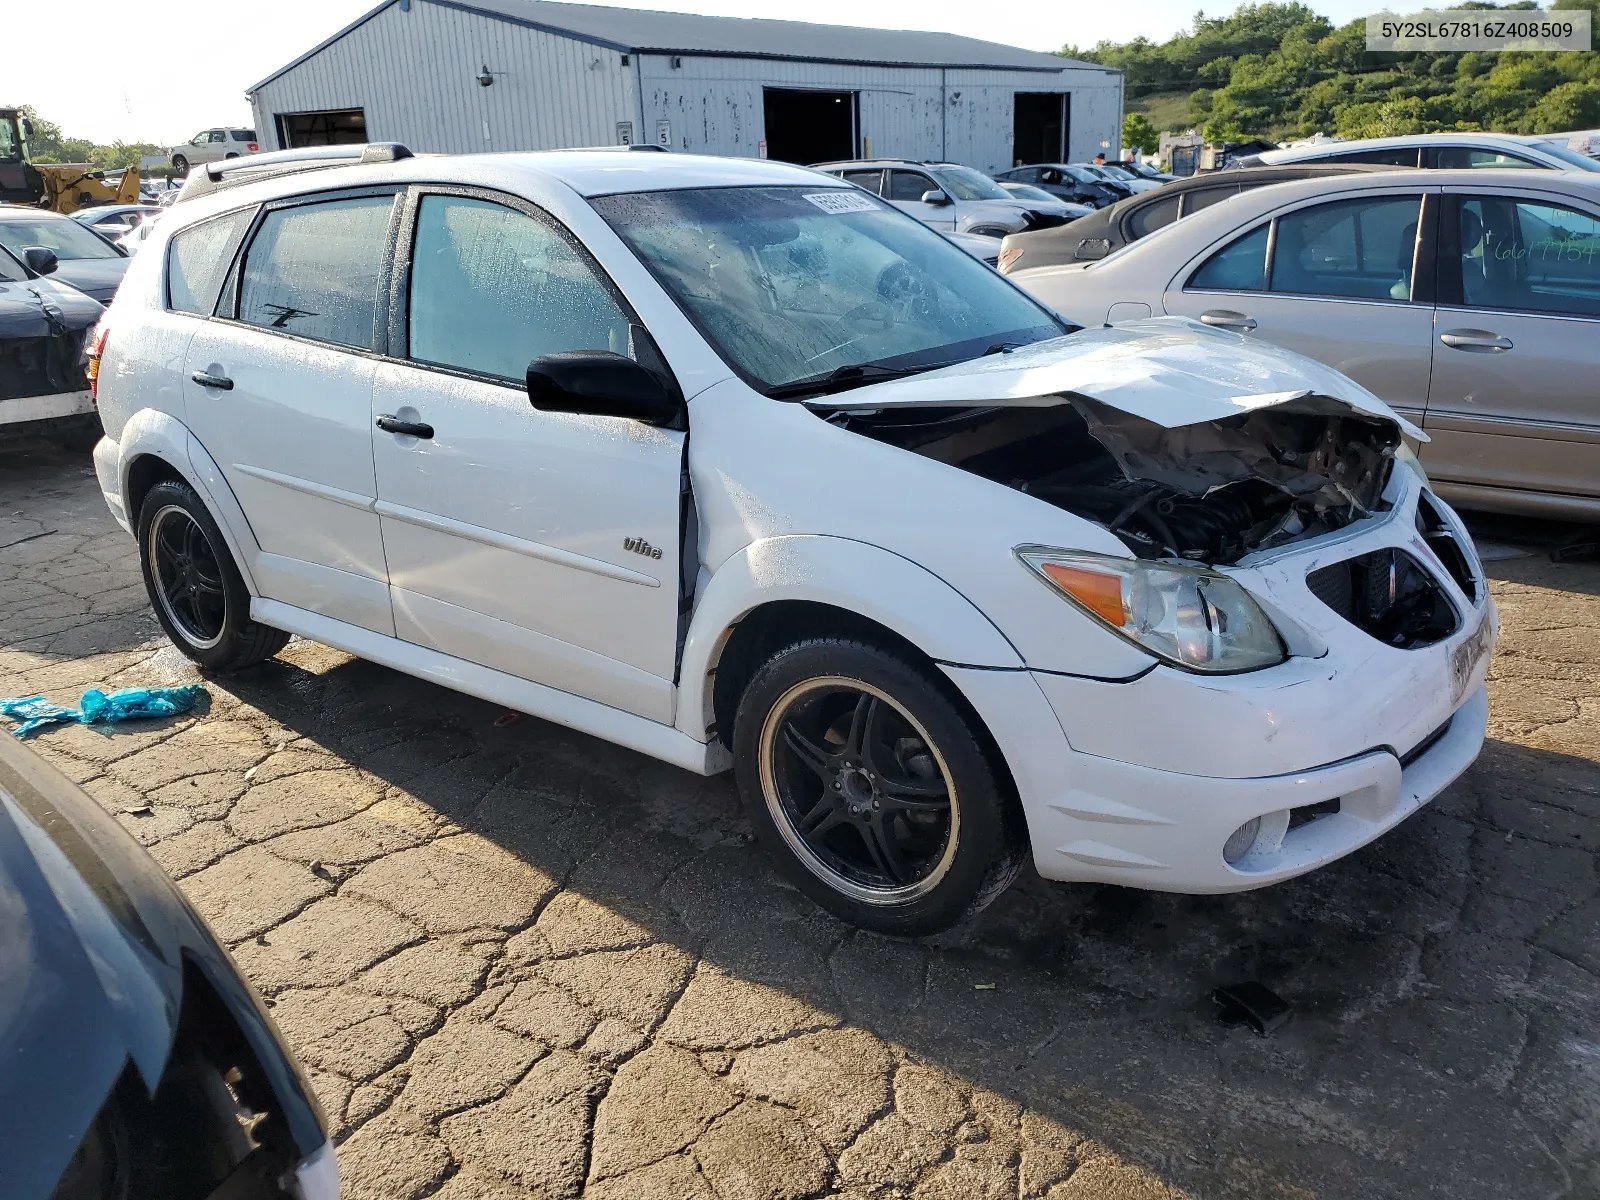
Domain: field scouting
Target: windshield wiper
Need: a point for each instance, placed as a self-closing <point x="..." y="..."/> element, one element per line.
<point x="842" y="379"/>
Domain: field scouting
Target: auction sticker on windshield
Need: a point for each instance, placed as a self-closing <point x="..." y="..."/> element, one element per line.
<point x="843" y="202"/>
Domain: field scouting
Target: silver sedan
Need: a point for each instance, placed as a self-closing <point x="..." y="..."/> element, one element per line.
<point x="1469" y="300"/>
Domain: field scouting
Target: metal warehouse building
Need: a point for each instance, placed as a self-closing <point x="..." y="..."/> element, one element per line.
<point x="471" y="75"/>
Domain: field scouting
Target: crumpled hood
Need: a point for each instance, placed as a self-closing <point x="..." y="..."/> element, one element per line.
<point x="1171" y="371"/>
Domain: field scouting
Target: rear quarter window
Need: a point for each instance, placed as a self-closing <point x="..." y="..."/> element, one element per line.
<point x="198" y="259"/>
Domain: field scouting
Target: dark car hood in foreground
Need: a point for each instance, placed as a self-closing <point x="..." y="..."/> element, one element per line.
<point x="44" y="307"/>
<point x="97" y="277"/>
<point x="93" y="941"/>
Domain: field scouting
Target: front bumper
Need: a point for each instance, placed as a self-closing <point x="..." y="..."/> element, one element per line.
<point x="1099" y="820"/>
<point x="1143" y="782"/>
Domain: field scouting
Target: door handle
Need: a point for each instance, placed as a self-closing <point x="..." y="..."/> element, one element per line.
<point x="393" y="424"/>
<point x="1223" y="318"/>
<point x="221" y="382"/>
<point x="1479" y="341"/>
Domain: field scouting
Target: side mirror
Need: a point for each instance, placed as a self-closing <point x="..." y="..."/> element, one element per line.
<point x="40" y="260"/>
<point x="600" y="383"/>
<point x="935" y="196"/>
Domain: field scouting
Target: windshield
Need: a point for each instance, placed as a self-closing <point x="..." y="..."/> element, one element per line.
<point x="792" y="284"/>
<point x="1580" y="162"/>
<point x="966" y="184"/>
<point x="1116" y="172"/>
<point x="1083" y="174"/>
<point x="65" y="236"/>
<point x="11" y="271"/>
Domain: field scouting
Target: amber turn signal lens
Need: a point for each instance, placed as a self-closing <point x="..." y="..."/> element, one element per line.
<point x="1100" y="593"/>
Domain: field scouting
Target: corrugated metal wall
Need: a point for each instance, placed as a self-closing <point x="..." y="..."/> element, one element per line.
<point x="415" y="74"/>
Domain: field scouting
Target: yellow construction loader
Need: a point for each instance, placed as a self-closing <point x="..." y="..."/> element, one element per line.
<point x="61" y="187"/>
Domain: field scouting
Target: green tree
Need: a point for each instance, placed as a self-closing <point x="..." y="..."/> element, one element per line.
<point x="1139" y="133"/>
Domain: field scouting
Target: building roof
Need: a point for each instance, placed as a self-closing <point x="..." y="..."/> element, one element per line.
<point x="632" y="30"/>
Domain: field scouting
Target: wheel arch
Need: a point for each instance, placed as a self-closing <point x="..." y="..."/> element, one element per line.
<point x="781" y="589"/>
<point x="155" y="445"/>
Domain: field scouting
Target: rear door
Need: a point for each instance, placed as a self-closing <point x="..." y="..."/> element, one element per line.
<point x="1337" y="281"/>
<point x="278" y="390"/>
<point x="905" y="191"/>
<point x="1514" y="402"/>
<point x="543" y="544"/>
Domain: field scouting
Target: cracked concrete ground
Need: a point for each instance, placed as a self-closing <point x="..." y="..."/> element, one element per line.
<point x="517" y="961"/>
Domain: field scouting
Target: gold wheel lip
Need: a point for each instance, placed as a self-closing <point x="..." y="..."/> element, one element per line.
<point x="877" y="897"/>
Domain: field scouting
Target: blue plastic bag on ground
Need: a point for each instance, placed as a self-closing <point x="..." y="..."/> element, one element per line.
<point x="97" y="708"/>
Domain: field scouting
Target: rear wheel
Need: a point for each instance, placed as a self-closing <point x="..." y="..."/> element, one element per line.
<point x="180" y="165"/>
<point x="863" y="775"/>
<point x="196" y="589"/>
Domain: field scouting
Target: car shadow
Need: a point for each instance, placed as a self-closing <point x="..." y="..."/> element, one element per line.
<point x="1563" y="555"/>
<point x="1404" y="1071"/>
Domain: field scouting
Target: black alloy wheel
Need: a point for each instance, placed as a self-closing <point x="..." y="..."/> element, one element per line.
<point x="195" y="587"/>
<point x="875" y="786"/>
<point x="188" y="576"/>
<point x="858" y="790"/>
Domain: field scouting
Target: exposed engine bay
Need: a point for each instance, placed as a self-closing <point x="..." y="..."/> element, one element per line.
<point x="1212" y="492"/>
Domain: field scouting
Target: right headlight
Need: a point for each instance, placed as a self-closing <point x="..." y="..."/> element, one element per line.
<point x="1191" y="617"/>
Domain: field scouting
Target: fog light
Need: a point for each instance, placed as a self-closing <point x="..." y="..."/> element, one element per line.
<point x="1240" y="841"/>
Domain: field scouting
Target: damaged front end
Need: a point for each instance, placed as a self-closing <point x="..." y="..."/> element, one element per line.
<point x="1213" y="492"/>
<point x="1185" y="443"/>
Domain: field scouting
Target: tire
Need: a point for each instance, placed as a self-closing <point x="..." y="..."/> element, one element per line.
<point x="194" y="586"/>
<point x="180" y="164"/>
<point x="873" y="789"/>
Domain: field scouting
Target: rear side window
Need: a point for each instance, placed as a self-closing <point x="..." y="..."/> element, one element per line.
<point x="1238" y="267"/>
<point x="1154" y="215"/>
<point x="1194" y="201"/>
<point x="871" y="180"/>
<point x="1393" y="156"/>
<point x="198" y="259"/>
<point x="492" y="289"/>
<point x="313" y="270"/>
<point x="244" y="135"/>
<point x="1361" y="249"/>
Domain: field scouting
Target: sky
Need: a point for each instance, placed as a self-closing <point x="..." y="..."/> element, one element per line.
<point x="189" y="61"/>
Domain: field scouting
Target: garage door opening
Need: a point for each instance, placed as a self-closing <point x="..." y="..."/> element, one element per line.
<point x="1039" y="128"/>
<point x="810" y="127"/>
<point x="337" y="127"/>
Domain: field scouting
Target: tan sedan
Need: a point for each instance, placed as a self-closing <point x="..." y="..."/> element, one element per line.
<point x="1469" y="300"/>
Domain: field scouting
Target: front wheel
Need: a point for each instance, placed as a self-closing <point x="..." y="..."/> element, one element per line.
<point x="198" y="594"/>
<point x="871" y="786"/>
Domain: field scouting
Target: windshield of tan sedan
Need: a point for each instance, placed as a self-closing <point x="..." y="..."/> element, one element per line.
<point x="792" y="284"/>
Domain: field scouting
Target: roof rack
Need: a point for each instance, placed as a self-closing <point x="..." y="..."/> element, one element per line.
<point x="233" y="172"/>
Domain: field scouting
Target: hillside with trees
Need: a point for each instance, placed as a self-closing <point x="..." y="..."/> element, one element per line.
<point x="1280" y="70"/>
<point x="49" y="145"/>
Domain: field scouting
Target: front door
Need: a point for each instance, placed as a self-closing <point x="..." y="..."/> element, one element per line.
<point x="1333" y="281"/>
<point x="542" y="544"/>
<point x="279" y="392"/>
<point x="905" y="191"/>
<point x="1514" y="402"/>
